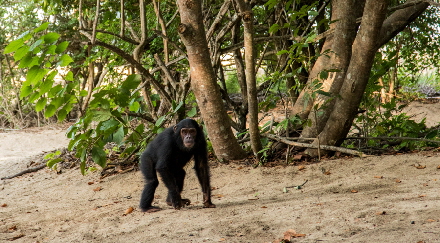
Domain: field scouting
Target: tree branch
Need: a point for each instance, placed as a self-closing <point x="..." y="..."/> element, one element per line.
<point x="306" y="145"/>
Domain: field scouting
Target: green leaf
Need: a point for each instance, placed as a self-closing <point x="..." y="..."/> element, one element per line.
<point x="134" y="106"/>
<point x="25" y="91"/>
<point x="53" y="162"/>
<point x="41" y="104"/>
<point x="65" y="60"/>
<point x="69" y="76"/>
<point x="101" y="115"/>
<point x="50" y="111"/>
<point x="131" y="82"/>
<point x="160" y="121"/>
<point x="192" y="112"/>
<point x="323" y="75"/>
<point x="282" y="52"/>
<point x="62" y="47"/>
<point x="35" y="74"/>
<point x="118" y="136"/>
<point x="274" y="28"/>
<point x="41" y="27"/>
<point x="26" y="61"/>
<point x="21" y="52"/>
<point x="51" y="50"/>
<point x="50" y="37"/>
<point x="99" y="156"/>
<point x="62" y="114"/>
<point x="35" y="45"/>
<point x="13" y="46"/>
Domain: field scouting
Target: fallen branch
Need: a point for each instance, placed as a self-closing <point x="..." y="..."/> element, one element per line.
<point x="306" y="145"/>
<point x="397" y="138"/>
<point x="33" y="169"/>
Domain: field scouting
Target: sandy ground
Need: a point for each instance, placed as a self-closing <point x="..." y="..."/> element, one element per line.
<point x="373" y="199"/>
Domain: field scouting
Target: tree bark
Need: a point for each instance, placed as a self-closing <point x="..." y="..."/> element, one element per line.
<point x="203" y="82"/>
<point x="364" y="49"/>
<point x="248" y="18"/>
<point x="344" y="14"/>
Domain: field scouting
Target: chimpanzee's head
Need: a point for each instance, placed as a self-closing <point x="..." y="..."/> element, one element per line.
<point x="187" y="131"/>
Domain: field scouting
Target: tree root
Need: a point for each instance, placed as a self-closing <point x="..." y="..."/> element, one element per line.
<point x="33" y="169"/>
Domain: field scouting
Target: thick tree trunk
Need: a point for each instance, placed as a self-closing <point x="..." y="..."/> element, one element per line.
<point x="356" y="79"/>
<point x="344" y="14"/>
<point x="203" y="82"/>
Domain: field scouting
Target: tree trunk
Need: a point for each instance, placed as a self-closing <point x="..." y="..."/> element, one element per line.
<point x="356" y="79"/>
<point x="203" y="82"/>
<point x="248" y="18"/>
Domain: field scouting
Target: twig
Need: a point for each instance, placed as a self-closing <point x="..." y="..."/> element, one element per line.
<point x="33" y="169"/>
<point x="306" y="145"/>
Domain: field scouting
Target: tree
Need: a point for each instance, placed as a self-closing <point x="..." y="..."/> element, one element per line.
<point x="352" y="57"/>
<point x="203" y="82"/>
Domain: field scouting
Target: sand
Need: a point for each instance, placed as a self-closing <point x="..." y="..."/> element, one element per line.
<point x="392" y="198"/>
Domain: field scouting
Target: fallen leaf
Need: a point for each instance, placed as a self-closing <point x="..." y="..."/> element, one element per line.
<point x="354" y="191"/>
<point x="222" y="239"/>
<point x="97" y="189"/>
<point x="381" y="213"/>
<point x="423" y="195"/>
<point x="398" y="181"/>
<point x="128" y="211"/>
<point x="297" y="157"/>
<point x="438" y="167"/>
<point x="239" y="168"/>
<point x="426" y="184"/>
<point x="378" y="177"/>
<point x="327" y="173"/>
<point x="301" y="167"/>
<point x="4" y="205"/>
<point x="288" y="235"/>
<point x="91" y="182"/>
<point x="263" y="207"/>
<point x="419" y="166"/>
<point x="12" y="228"/>
<point x="431" y="220"/>
<point x="217" y="195"/>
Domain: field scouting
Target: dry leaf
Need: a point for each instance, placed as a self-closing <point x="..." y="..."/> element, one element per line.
<point x="4" y="205"/>
<point x="354" y="191"/>
<point x="431" y="220"/>
<point x="218" y="195"/>
<point x="381" y="213"/>
<point x="398" y="181"/>
<point x="419" y="166"/>
<point x="297" y="157"/>
<point x="97" y="189"/>
<point x="327" y="173"/>
<point x="128" y="211"/>
<point x="222" y="239"/>
<point x="263" y="207"/>
<point x="378" y="177"/>
<point x="423" y="195"/>
<point x="91" y="182"/>
<point x="438" y="167"/>
<point x="13" y="228"/>
<point x="288" y="235"/>
<point x="301" y="167"/>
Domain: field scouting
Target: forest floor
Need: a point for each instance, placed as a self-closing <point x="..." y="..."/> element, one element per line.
<point x="389" y="198"/>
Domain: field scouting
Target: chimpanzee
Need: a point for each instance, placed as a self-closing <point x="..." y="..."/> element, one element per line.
<point x="167" y="154"/>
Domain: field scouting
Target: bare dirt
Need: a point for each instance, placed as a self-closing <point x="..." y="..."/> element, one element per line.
<point x="392" y="198"/>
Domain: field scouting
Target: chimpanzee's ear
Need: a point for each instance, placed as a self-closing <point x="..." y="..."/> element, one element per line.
<point x="175" y="128"/>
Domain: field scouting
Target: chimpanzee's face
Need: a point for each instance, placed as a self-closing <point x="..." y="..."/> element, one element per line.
<point x="188" y="137"/>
